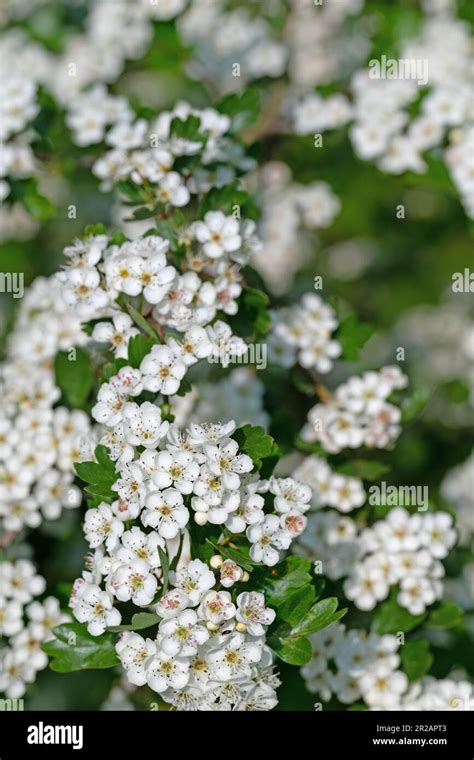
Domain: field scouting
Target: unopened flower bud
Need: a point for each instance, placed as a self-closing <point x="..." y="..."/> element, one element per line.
<point x="200" y="518"/>
<point x="215" y="561"/>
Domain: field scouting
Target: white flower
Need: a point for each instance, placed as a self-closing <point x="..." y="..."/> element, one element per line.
<point x="178" y="468"/>
<point x="382" y="687"/>
<point x="172" y="190"/>
<point x="133" y="652"/>
<point x="28" y="644"/>
<point x="290" y="495"/>
<point x="249" y="511"/>
<point x="122" y="273"/>
<point x="225" y="461"/>
<point x="82" y="291"/>
<point x="135" y="544"/>
<point x="209" y="433"/>
<point x="211" y="497"/>
<point x="218" y="233"/>
<point x="344" y="493"/>
<point x="230" y="573"/>
<point x="45" y="616"/>
<point x="127" y="382"/>
<point x="110" y="402"/>
<point x="163" y="672"/>
<point x="94" y="607"/>
<point x="182" y="635"/>
<point x="400" y="531"/>
<point x="437" y="533"/>
<point x="126" y="135"/>
<point x="235" y="658"/>
<point x="367" y="587"/>
<point x="101" y="526"/>
<point x="143" y="425"/>
<point x="267" y="538"/>
<point x="216" y="607"/>
<point x="117" y="333"/>
<point x="132" y="484"/>
<point x="251" y="611"/>
<point x="15" y="672"/>
<point x="165" y="511"/>
<point x="293" y="522"/>
<point x="155" y="277"/>
<point x="172" y="603"/>
<point x="19" y="581"/>
<point x="195" y="345"/>
<point x="319" y="354"/>
<point x="194" y="579"/>
<point x="162" y="371"/>
<point x="226" y="347"/>
<point x="134" y="581"/>
<point x="11" y="617"/>
<point x="417" y="593"/>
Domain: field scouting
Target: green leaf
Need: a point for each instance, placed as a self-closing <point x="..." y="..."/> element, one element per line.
<point x="353" y="335"/>
<point x="91" y="230"/>
<point x="187" y="129"/>
<point x="228" y="553"/>
<point x="100" y="494"/>
<point x="112" y="368"/>
<point x="253" y="441"/>
<point x="140" y="621"/>
<point x="252" y="319"/>
<point x="226" y="199"/>
<point x="293" y="651"/>
<point x="414" y="405"/>
<point x="39" y="207"/>
<point x="320" y="615"/>
<point x="285" y="577"/>
<point x="243" y="108"/>
<point x="103" y="458"/>
<point x="74" y="376"/>
<point x="133" y="193"/>
<point x="142" y="322"/>
<point x="416" y="659"/>
<point x="269" y="463"/>
<point x="391" y="618"/>
<point x="92" y="472"/>
<point x="184" y="387"/>
<point x="296" y="606"/>
<point x="138" y="347"/>
<point x="447" y="615"/>
<point x="73" y="648"/>
<point x="165" y="569"/>
<point x="367" y="469"/>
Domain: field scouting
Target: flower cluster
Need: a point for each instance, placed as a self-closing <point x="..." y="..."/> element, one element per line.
<point x="208" y="280"/>
<point x="146" y="152"/>
<point x="209" y="652"/>
<point x="358" y="413"/>
<point x="18" y="107"/>
<point x="221" y="36"/>
<point x="330" y="489"/>
<point x="39" y="441"/>
<point x="22" y="656"/>
<point x="402" y="550"/>
<point x="290" y="211"/>
<point x="302" y="334"/>
<point x="382" y="128"/>
<point x="353" y="665"/>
